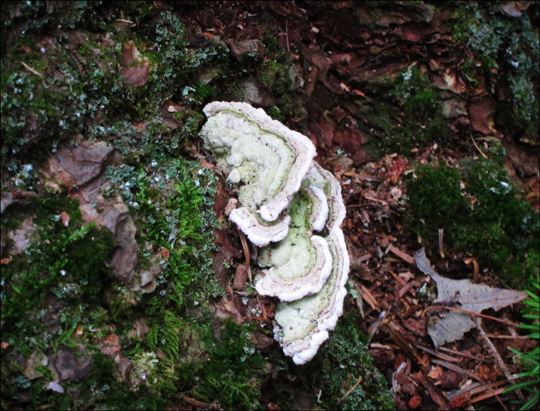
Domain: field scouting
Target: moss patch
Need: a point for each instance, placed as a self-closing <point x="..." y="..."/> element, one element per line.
<point x="483" y="218"/>
<point x="418" y="103"/>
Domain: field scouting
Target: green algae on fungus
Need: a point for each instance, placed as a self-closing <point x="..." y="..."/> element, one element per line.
<point x="300" y="264"/>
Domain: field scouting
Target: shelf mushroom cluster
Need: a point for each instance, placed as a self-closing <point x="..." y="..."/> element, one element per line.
<point x="292" y="208"/>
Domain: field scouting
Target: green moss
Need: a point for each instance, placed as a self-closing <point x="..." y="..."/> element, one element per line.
<point x="65" y="262"/>
<point x="275" y="75"/>
<point x="484" y="218"/>
<point x="418" y="106"/>
<point x="232" y="373"/>
<point x="437" y="200"/>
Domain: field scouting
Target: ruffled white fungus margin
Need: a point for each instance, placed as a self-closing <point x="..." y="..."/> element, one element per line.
<point x="304" y="324"/>
<point x="325" y="181"/>
<point x="259" y="234"/>
<point x="320" y="215"/>
<point x="291" y="281"/>
<point x="303" y="148"/>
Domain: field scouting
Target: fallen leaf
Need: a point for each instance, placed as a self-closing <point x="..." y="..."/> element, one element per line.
<point x="509" y="7"/>
<point x="482" y="111"/>
<point x="240" y="277"/>
<point x="54" y="386"/>
<point x="141" y="328"/>
<point x="206" y="164"/>
<point x="22" y="237"/>
<point x="6" y="260"/>
<point x="396" y="170"/>
<point x="471" y="297"/>
<point x="415" y="402"/>
<point x="165" y="252"/>
<point x="65" y="218"/>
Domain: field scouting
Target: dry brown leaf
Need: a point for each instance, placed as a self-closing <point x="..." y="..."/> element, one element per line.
<point x="472" y="297"/>
<point x="65" y="218"/>
<point x="165" y="252"/>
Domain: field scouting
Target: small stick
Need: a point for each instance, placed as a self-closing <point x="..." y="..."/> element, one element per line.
<point x="437" y="354"/>
<point x="478" y="148"/>
<point x="478" y="322"/>
<point x="401" y="282"/>
<point x="404" y="256"/>
<point x="351" y="390"/>
<point x="456" y="368"/>
<point x="476" y="272"/>
<point x="513" y="337"/>
<point x="246" y="253"/>
<point x="30" y="69"/>
<point x="472" y="357"/>
<point x="287" y="34"/>
<point x="487" y="395"/>
<point x="193" y="401"/>
<point x="441" y="250"/>
<point x="472" y="314"/>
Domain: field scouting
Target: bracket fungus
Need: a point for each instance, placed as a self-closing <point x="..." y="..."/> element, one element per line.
<point x="284" y="197"/>
<point x="301" y="263"/>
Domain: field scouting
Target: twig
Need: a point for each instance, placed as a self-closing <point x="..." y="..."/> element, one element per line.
<point x="193" y="401"/>
<point x="287" y="34"/>
<point x="30" y="69"/>
<point x="475" y="388"/>
<point x="351" y="390"/>
<point x="368" y="297"/>
<point x="487" y="395"/>
<point x="376" y="326"/>
<point x="246" y="253"/>
<point x="457" y="369"/>
<point x="476" y="271"/>
<point x="436" y="354"/>
<point x="472" y="357"/>
<point x="513" y="337"/>
<point x="507" y="373"/>
<point x="402" y="255"/>
<point x="441" y="236"/>
<point x="471" y="313"/>
<point x="402" y="343"/>
<point x="400" y="280"/>
<point x="478" y="148"/>
<point x="435" y="394"/>
<point x="406" y="289"/>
